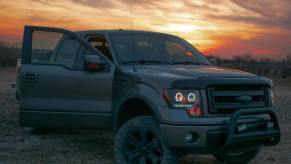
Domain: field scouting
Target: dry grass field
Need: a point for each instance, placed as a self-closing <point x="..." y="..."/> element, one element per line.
<point x="17" y="145"/>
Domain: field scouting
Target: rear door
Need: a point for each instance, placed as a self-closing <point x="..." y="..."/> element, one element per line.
<point x="55" y="89"/>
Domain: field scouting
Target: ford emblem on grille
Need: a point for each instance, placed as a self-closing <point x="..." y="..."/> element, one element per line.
<point x="244" y="99"/>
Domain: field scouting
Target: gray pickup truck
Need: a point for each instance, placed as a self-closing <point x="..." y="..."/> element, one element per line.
<point x="163" y="98"/>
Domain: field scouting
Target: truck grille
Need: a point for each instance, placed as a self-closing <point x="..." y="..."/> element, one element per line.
<point x="227" y="99"/>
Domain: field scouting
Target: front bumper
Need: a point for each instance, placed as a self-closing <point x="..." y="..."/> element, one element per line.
<point x="221" y="137"/>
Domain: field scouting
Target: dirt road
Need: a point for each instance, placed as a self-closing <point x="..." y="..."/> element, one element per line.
<point x="17" y="145"/>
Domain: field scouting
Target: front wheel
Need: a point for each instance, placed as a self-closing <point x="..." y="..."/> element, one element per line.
<point x="237" y="158"/>
<point x="139" y="141"/>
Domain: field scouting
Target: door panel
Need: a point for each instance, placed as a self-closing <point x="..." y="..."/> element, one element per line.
<point x="60" y="89"/>
<point x="52" y="81"/>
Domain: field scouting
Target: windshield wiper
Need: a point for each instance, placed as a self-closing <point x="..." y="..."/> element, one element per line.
<point x="189" y="63"/>
<point x="145" y="62"/>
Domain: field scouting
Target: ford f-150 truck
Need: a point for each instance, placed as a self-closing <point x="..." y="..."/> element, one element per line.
<point x="160" y="95"/>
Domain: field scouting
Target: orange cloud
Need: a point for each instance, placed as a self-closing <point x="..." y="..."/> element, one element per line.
<point x="225" y="27"/>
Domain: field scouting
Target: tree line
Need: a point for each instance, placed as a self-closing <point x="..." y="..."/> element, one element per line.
<point x="8" y="55"/>
<point x="263" y="67"/>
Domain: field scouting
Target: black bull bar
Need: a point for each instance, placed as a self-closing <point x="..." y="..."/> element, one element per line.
<point x="272" y="136"/>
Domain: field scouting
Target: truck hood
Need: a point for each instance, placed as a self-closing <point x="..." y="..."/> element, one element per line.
<point x="163" y="76"/>
<point x="185" y="71"/>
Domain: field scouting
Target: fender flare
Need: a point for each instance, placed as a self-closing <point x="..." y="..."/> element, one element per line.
<point x="143" y="92"/>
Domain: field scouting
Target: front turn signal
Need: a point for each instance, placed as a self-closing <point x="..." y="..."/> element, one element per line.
<point x="194" y="112"/>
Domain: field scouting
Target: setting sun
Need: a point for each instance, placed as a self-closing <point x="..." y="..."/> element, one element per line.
<point x="224" y="28"/>
<point x="145" y="81"/>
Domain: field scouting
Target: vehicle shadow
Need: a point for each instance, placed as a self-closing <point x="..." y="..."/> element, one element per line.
<point x="98" y="145"/>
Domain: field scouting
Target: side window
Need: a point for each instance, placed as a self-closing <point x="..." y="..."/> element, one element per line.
<point x="54" y="48"/>
<point x="67" y="52"/>
<point x="43" y="46"/>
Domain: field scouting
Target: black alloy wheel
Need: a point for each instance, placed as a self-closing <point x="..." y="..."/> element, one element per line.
<point x="142" y="146"/>
<point x="139" y="141"/>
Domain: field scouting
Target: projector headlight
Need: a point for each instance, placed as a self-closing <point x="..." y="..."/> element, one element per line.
<point x="188" y="100"/>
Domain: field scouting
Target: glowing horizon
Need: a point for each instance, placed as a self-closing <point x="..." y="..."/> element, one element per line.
<point x="223" y="27"/>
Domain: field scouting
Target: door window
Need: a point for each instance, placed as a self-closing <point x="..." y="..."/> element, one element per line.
<point x="43" y="46"/>
<point x="67" y="52"/>
<point x="54" y="48"/>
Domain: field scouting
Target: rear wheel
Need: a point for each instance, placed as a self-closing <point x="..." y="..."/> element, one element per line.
<point x="237" y="158"/>
<point x="139" y="141"/>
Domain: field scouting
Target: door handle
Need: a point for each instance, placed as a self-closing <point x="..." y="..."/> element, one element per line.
<point x="30" y="77"/>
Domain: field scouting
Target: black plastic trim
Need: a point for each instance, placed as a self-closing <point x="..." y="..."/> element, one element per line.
<point x="232" y="137"/>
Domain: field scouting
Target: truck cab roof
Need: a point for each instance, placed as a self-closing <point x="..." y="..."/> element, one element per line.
<point x="119" y="31"/>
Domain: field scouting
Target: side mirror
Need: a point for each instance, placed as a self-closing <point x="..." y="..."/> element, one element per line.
<point x="213" y="61"/>
<point x="94" y="63"/>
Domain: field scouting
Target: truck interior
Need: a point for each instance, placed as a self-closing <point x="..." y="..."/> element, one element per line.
<point x="101" y="44"/>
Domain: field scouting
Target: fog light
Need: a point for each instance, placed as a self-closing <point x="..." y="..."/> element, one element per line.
<point x="191" y="137"/>
<point x="188" y="137"/>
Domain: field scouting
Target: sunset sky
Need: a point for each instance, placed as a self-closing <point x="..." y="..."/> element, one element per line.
<point x="223" y="27"/>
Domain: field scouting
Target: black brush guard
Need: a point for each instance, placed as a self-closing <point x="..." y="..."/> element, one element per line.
<point x="271" y="135"/>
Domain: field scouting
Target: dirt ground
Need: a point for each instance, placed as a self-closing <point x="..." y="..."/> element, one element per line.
<point x="17" y="145"/>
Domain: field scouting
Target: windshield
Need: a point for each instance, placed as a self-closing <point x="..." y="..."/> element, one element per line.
<point x="145" y="48"/>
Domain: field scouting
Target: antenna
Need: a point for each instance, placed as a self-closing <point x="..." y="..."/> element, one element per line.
<point x="131" y="20"/>
<point x="132" y="36"/>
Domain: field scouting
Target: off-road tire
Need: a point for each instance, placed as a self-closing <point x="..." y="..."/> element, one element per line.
<point x="131" y="128"/>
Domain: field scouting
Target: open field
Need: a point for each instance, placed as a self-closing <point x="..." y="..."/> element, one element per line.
<point x="17" y="145"/>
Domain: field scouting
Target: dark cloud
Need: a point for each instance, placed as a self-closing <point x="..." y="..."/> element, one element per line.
<point x="139" y="2"/>
<point x="2" y="7"/>
<point x="273" y="13"/>
<point x="259" y="6"/>
<point x="114" y="3"/>
<point x="43" y="19"/>
<point x="199" y="7"/>
<point x="96" y="3"/>
<point x="258" y="21"/>
<point x="52" y="3"/>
